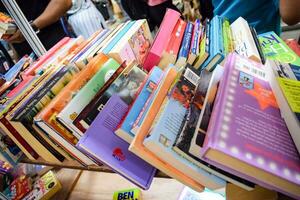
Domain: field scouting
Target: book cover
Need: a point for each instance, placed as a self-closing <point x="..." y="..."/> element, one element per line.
<point x="126" y="86"/>
<point x="137" y="145"/>
<point x="246" y="133"/>
<point x="166" y="126"/>
<point x="18" y="188"/>
<point x="169" y="55"/>
<point x="111" y="150"/>
<point x="44" y="187"/>
<point x="152" y="80"/>
<point x="185" y="45"/>
<point x="161" y="39"/>
<point x="285" y="85"/>
<point x="243" y="40"/>
<point x="80" y="98"/>
<point x="275" y="48"/>
<point x="134" y="45"/>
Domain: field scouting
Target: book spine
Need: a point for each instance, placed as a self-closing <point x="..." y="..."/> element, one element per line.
<point x="47" y="91"/>
<point x="186" y="43"/>
<point x="19" y="139"/>
<point x="214" y="126"/>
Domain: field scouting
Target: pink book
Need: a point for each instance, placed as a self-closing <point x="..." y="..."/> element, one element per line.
<point x="47" y="56"/>
<point x="161" y="40"/>
<point x="155" y="2"/>
<point x="246" y="135"/>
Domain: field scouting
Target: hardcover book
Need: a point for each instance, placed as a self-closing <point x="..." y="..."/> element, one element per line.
<point x="109" y="149"/>
<point x="166" y="127"/>
<point x="190" y="140"/>
<point x="21" y="118"/>
<point x="246" y="134"/>
<point x="151" y="82"/>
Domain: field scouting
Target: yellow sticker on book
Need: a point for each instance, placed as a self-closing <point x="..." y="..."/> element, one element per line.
<point x="291" y="91"/>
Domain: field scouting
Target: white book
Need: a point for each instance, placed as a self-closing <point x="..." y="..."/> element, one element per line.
<point x="244" y="43"/>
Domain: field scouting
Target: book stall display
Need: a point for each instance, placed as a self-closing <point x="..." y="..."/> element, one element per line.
<point x="207" y="103"/>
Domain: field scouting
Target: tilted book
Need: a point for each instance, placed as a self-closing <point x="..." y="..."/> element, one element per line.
<point x="126" y="86"/>
<point x="286" y="87"/>
<point x="246" y="134"/>
<point x="139" y="148"/>
<point x="102" y="73"/>
<point x="161" y="39"/>
<point x="185" y="45"/>
<point x="134" y="45"/>
<point x="190" y="140"/>
<point x="216" y="44"/>
<point x="107" y="148"/>
<point x="166" y="127"/>
<point x="243" y="40"/>
<point x="169" y="55"/>
<point x="151" y="82"/>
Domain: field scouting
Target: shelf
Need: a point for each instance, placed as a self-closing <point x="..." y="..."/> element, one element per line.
<point x="76" y="165"/>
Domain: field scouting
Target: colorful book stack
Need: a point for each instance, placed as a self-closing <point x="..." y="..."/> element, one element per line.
<point x="182" y="103"/>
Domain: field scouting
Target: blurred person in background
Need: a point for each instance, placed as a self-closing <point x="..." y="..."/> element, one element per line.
<point x="152" y="10"/>
<point x="43" y="16"/>
<point x="85" y="18"/>
<point x="263" y="15"/>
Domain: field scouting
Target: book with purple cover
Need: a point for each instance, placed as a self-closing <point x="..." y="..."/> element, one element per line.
<point x="103" y="145"/>
<point x="246" y="134"/>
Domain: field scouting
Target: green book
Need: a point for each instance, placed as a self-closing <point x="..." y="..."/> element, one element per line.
<point x="86" y="94"/>
<point x="275" y="48"/>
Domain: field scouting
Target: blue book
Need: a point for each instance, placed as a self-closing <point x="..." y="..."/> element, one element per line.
<point x="185" y="45"/>
<point x="14" y="71"/>
<point x="166" y="127"/>
<point x="118" y="37"/>
<point x="124" y="131"/>
<point x="216" y="47"/>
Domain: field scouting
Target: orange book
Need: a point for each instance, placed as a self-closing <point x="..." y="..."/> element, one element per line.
<point x="137" y="145"/>
<point x="48" y="115"/>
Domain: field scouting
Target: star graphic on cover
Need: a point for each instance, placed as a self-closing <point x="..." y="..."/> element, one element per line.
<point x="264" y="96"/>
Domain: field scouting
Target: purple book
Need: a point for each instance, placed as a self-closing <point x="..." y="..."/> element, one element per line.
<point x="103" y="145"/>
<point x="246" y="134"/>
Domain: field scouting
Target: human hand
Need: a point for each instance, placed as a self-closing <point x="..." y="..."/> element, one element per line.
<point x="17" y="37"/>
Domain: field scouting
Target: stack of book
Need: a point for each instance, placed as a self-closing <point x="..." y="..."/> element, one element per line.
<point x="7" y="27"/>
<point x="195" y="102"/>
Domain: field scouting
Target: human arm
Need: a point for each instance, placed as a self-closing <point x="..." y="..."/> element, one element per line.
<point x="54" y="10"/>
<point x="290" y="11"/>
